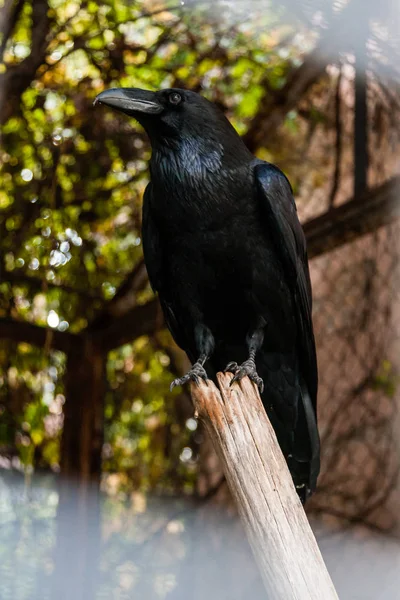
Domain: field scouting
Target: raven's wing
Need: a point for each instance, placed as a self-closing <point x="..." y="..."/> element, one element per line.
<point x="152" y="249"/>
<point x="279" y="211"/>
<point x="154" y="260"/>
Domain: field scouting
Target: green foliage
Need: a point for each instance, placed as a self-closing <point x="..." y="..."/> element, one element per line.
<point x="387" y="379"/>
<point x="144" y="438"/>
<point x="31" y="402"/>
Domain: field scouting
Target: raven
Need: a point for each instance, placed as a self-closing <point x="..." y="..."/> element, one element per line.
<point x="226" y="253"/>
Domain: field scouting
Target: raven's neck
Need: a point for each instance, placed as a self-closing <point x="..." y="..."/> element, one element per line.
<point x="193" y="160"/>
<point x="189" y="161"/>
<point x="195" y="183"/>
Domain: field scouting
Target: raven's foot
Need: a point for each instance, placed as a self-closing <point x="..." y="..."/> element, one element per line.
<point x="196" y="373"/>
<point x="248" y="368"/>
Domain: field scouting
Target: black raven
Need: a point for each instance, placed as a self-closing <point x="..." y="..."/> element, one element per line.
<point x="226" y="253"/>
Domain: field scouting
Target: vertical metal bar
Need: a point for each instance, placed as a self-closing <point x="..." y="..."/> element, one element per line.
<point x="361" y="109"/>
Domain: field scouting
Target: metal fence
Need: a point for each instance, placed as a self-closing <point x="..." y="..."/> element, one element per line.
<point x="356" y="317"/>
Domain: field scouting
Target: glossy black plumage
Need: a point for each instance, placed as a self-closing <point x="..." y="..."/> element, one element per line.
<point x="226" y="253"/>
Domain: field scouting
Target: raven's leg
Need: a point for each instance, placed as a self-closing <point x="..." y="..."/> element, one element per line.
<point x="204" y="341"/>
<point x="254" y="342"/>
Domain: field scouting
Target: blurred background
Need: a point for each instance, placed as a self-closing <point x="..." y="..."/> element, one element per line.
<point x="109" y="486"/>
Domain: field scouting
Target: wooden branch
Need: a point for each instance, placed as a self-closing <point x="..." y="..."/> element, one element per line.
<point x="36" y="284"/>
<point x="125" y="321"/>
<point x="9" y="15"/>
<point x="21" y="331"/>
<point x="278" y="530"/>
<point x="122" y="321"/>
<point x="274" y="108"/>
<point x="364" y="214"/>
<point x="141" y="320"/>
<point x="125" y="300"/>
<point x="16" y="78"/>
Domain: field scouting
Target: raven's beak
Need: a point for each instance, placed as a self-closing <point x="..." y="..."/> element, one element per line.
<point x="130" y="100"/>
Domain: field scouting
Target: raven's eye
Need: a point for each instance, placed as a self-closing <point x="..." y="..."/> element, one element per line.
<point x="174" y="98"/>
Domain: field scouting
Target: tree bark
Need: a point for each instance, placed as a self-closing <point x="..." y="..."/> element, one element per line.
<point x="283" y="543"/>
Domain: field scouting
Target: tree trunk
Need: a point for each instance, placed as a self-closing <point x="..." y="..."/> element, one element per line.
<point x="78" y="514"/>
<point x="283" y="543"/>
<point x="82" y="437"/>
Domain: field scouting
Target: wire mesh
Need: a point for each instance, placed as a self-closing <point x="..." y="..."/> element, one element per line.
<point x="357" y="327"/>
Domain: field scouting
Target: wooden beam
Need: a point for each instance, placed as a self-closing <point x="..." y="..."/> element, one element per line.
<point x="364" y="214"/>
<point x="281" y="538"/>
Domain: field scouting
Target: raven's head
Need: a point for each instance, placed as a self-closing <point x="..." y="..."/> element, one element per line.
<point x="174" y="116"/>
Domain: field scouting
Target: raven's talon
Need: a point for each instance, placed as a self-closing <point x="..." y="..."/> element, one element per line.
<point x="196" y="374"/>
<point x="240" y="373"/>
<point x="231" y="367"/>
<point x="259" y="383"/>
<point x="247" y="368"/>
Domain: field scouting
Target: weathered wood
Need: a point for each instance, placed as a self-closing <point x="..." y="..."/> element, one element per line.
<point x="278" y="530"/>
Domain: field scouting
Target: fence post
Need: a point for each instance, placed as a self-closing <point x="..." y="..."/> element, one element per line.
<point x="278" y="530"/>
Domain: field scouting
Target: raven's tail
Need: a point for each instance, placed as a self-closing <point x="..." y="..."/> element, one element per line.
<point x="304" y="459"/>
<point x="291" y="412"/>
